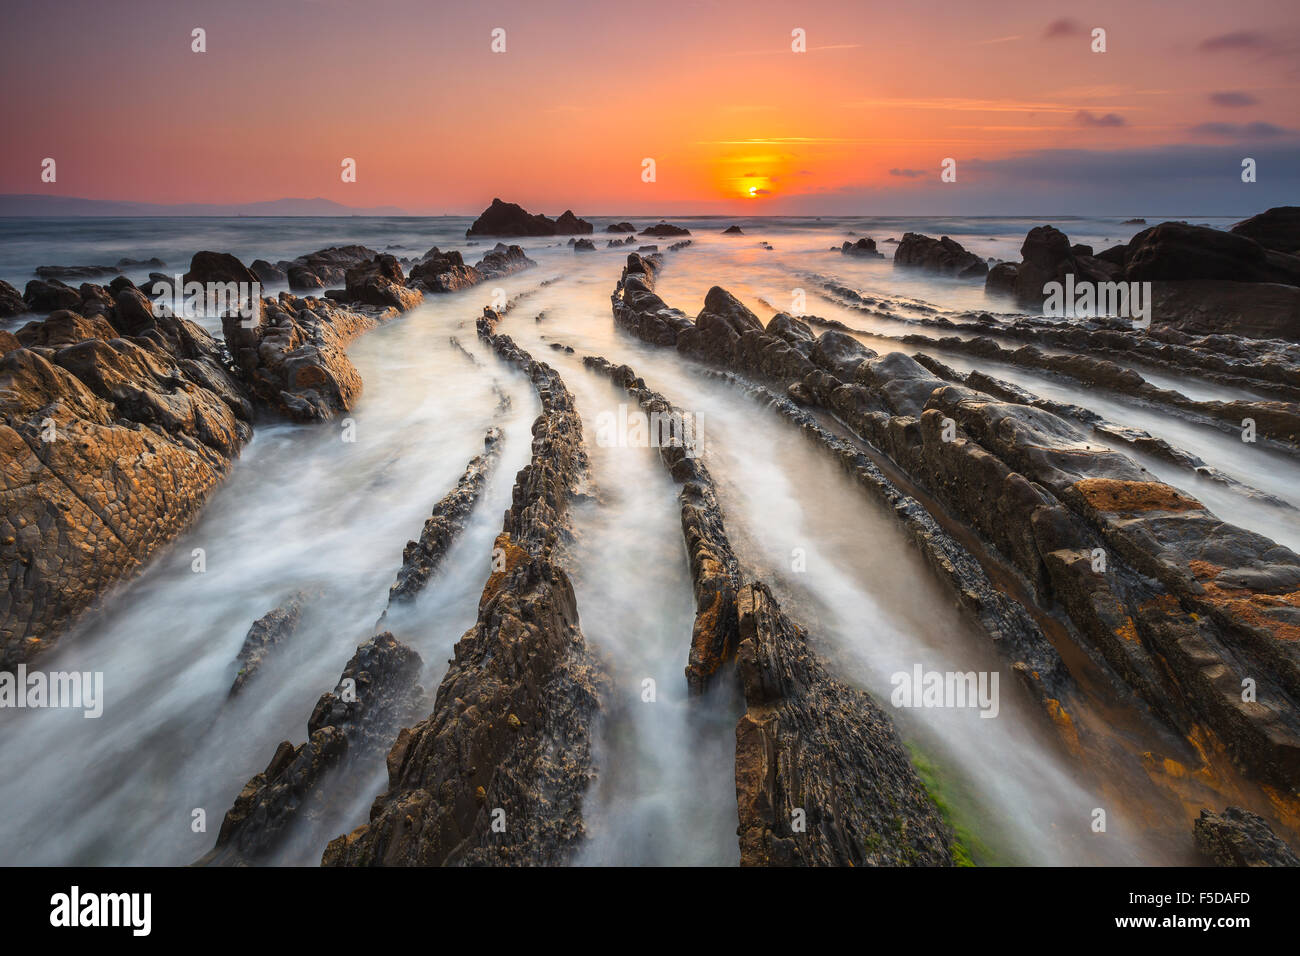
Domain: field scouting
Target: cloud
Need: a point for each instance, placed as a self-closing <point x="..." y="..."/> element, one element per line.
<point x="1064" y="27"/>
<point x="1084" y="118"/>
<point x="1239" y="131"/>
<point x="1241" y="40"/>
<point x="762" y="192"/>
<point x="907" y="173"/>
<point x="1232" y="98"/>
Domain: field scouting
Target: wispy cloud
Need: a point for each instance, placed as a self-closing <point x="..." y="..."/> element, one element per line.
<point x="1085" y="118"/>
<point x="1064" y="27"/>
<point x="1240" y="40"/>
<point x="1239" y="131"/>
<point x="908" y="173"/>
<point x="1232" y="98"/>
<point x="984" y="105"/>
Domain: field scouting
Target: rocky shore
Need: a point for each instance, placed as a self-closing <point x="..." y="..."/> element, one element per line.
<point x="1181" y="606"/>
<point x="118" y="423"/>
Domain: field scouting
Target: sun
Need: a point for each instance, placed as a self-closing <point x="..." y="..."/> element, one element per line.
<point x="753" y="192"/>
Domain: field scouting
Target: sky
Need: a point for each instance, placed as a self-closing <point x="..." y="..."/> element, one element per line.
<point x="735" y="120"/>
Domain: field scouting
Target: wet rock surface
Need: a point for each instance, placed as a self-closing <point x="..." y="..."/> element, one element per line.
<point x="274" y="627"/>
<point x="115" y="430"/>
<point x="1237" y="837"/>
<point x="508" y="741"/>
<point x="1181" y="607"/>
<point x="821" y="776"/>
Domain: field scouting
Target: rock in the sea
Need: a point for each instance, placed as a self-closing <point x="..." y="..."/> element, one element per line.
<point x="325" y="267"/>
<point x="943" y="256"/>
<point x="76" y="272"/>
<point x="344" y="728"/>
<point x="663" y="230"/>
<point x="272" y="628"/>
<point x="1237" y="837"/>
<point x="292" y="357"/>
<point x="509" y="737"/>
<point x="222" y="267"/>
<point x="511" y="219"/>
<point x="733" y="231"/>
<point x="864" y="248"/>
<point x="1001" y="279"/>
<point x="620" y="227"/>
<point x="584" y="245"/>
<point x="421" y="558"/>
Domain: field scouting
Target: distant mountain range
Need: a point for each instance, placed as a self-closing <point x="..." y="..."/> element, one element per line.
<point x="35" y="204"/>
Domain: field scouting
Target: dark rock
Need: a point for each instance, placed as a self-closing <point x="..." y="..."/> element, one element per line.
<point x="584" y="245"/>
<point x="620" y="227"/>
<point x="343" y="729"/>
<point x="76" y="272"/>
<point x="1237" y="837"/>
<point x="943" y="256"/>
<point x="809" y="743"/>
<point x="511" y="219"/>
<point x="222" y="267"/>
<point x="568" y="224"/>
<point x="11" y="301"/>
<point x="272" y="628"/>
<point x="1176" y="251"/>
<point x="1002" y="279"/>
<point x="266" y="273"/>
<point x="733" y="231"/>
<point x="664" y="230"/>
<point x="420" y="559"/>
<point x="380" y="283"/>
<point x="43" y="296"/>
<point x="864" y="248"/>
<point x="510" y="730"/>
<point x="1277" y="229"/>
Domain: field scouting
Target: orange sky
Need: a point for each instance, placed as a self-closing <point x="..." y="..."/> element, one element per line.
<point x="586" y="90"/>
